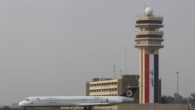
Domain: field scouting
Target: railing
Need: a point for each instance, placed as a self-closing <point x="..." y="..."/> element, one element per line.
<point x="160" y="33"/>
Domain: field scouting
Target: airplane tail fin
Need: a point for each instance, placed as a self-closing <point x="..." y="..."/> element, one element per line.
<point x="129" y="92"/>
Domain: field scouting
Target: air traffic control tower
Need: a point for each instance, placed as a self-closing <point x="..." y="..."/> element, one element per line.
<point x="148" y="40"/>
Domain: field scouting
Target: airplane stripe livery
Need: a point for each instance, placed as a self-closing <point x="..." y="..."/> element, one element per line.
<point x="82" y="101"/>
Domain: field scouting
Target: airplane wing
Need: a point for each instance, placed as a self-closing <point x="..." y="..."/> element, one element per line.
<point x="93" y="104"/>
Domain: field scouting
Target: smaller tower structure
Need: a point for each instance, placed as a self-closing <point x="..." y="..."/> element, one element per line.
<point x="148" y="41"/>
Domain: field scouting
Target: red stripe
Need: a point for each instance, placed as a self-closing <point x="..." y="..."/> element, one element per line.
<point x="146" y="78"/>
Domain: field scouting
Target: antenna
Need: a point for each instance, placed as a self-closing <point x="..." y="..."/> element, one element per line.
<point x="177" y="82"/>
<point x="114" y="69"/>
<point x="125" y="60"/>
<point x="121" y="72"/>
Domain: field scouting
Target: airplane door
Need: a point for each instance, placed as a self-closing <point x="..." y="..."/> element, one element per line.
<point x="107" y="101"/>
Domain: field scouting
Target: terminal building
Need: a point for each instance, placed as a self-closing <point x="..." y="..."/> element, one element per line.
<point x="112" y="87"/>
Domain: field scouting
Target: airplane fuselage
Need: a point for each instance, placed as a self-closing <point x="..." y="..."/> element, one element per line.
<point x="63" y="101"/>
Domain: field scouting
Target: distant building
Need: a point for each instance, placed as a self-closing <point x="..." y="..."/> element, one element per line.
<point x="112" y="87"/>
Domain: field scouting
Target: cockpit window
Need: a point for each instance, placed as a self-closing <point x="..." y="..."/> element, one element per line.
<point x="27" y="99"/>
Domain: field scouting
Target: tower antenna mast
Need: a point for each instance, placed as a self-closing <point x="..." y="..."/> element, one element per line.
<point x="144" y="5"/>
<point x="114" y="69"/>
<point x="125" y="60"/>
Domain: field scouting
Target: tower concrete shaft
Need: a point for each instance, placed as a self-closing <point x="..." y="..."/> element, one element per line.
<point x="148" y="41"/>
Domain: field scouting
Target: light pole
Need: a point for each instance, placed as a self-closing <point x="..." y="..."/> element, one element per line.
<point x="177" y="82"/>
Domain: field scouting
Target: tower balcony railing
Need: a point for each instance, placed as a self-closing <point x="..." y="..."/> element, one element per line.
<point x="149" y="39"/>
<point x="148" y="33"/>
<point x="149" y="46"/>
<point x="152" y="18"/>
<point x="149" y="25"/>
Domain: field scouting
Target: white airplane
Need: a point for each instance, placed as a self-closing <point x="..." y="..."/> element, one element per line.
<point x="79" y="101"/>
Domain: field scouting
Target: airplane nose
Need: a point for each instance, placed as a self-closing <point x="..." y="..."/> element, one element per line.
<point x="22" y="103"/>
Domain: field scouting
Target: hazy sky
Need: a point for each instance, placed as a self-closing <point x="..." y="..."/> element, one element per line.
<point x="52" y="47"/>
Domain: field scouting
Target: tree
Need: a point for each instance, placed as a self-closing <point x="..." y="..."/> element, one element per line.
<point x="178" y="98"/>
<point x="167" y="99"/>
<point x="192" y="100"/>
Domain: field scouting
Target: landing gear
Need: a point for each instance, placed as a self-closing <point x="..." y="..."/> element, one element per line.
<point x="87" y="108"/>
